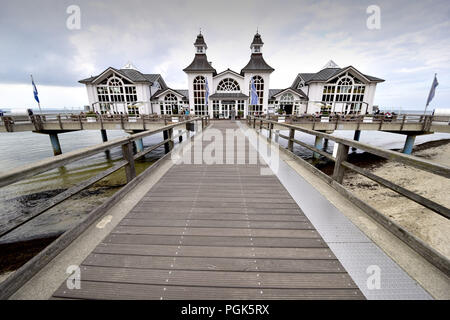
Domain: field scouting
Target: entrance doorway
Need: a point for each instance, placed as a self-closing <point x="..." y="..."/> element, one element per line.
<point x="227" y="106"/>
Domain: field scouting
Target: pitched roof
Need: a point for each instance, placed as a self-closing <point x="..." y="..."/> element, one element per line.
<point x="130" y="74"/>
<point x="326" y="75"/>
<point x="228" y="95"/>
<point x="257" y="63"/>
<point x="182" y="92"/>
<point x="230" y="71"/>
<point x="200" y="64"/>
<point x="274" y="92"/>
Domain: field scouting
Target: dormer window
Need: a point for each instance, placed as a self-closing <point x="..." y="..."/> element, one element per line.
<point x="301" y="84"/>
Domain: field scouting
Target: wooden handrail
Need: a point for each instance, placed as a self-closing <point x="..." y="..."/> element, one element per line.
<point x="26" y="171"/>
<point x="413" y="161"/>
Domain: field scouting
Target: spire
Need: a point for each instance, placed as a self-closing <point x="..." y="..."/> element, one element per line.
<point x="200" y="44"/>
<point x="257" y="62"/>
<point x="330" y="64"/>
<point x="257" y="43"/>
<point x="200" y="62"/>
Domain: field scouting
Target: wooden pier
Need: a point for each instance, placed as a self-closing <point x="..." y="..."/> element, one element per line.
<point x="216" y="231"/>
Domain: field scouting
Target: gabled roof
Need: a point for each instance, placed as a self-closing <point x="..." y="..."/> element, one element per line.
<point x="328" y="74"/>
<point x="129" y="74"/>
<point x="228" y="71"/>
<point x="200" y="64"/>
<point x="257" y="63"/>
<point x="275" y="92"/>
<point x="228" y="95"/>
<point x="180" y="92"/>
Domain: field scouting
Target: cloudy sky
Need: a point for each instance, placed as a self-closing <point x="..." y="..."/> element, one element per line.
<point x="412" y="44"/>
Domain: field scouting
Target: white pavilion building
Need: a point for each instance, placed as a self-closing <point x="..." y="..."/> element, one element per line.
<point x="332" y="89"/>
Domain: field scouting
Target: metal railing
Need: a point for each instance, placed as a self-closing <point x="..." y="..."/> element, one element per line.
<point x="341" y="165"/>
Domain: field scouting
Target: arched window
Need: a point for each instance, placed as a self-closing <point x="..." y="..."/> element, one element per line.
<point x="259" y="85"/>
<point x="287" y="98"/>
<point x="348" y="91"/>
<point x="113" y="91"/>
<point x="116" y="89"/>
<point x="170" y="104"/>
<point x="228" y="84"/>
<point x="199" y="96"/>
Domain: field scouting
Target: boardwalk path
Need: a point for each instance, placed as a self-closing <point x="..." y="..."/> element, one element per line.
<point x="214" y="232"/>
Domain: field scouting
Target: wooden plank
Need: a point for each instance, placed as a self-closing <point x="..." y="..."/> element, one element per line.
<point x="223" y="252"/>
<point x="219" y="241"/>
<point x="111" y="291"/>
<point x="228" y="232"/>
<point x="221" y="279"/>
<point x="152" y="222"/>
<point x="218" y="264"/>
<point x="144" y="214"/>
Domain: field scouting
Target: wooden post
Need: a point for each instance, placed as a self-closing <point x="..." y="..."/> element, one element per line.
<point x="59" y="121"/>
<point x="81" y="123"/>
<point x="291" y="138"/>
<point x="270" y="131"/>
<point x="260" y="125"/>
<point x="341" y="156"/>
<point x="171" y="143"/>
<point x="403" y="122"/>
<point x="254" y="123"/>
<point x="127" y="151"/>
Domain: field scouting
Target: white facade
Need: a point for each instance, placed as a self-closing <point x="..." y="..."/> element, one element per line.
<point x="332" y="89"/>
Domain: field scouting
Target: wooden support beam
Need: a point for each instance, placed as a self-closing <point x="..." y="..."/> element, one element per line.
<point x="339" y="169"/>
<point x="291" y="140"/>
<point x="130" y="170"/>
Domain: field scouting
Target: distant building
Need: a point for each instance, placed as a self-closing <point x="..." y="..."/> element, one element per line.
<point x="332" y="89"/>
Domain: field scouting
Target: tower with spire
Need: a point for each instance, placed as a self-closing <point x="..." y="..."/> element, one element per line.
<point x="200" y="68"/>
<point x="259" y="70"/>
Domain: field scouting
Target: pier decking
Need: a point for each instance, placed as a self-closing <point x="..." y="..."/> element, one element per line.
<point x="214" y="232"/>
<point x="251" y="228"/>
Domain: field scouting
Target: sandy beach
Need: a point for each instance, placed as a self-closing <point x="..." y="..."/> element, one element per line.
<point x="420" y="221"/>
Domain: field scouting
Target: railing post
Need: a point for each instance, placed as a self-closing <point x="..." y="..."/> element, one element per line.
<point x="171" y="143"/>
<point x="291" y="138"/>
<point x="127" y="151"/>
<point x="403" y="122"/>
<point x="260" y="125"/>
<point x="341" y="156"/>
<point x="254" y="123"/>
<point x="59" y="121"/>
<point x="270" y="130"/>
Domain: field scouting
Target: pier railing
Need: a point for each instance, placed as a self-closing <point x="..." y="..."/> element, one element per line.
<point x="126" y="144"/>
<point x="24" y="273"/>
<point x="341" y="165"/>
<point x="38" y="121"/>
